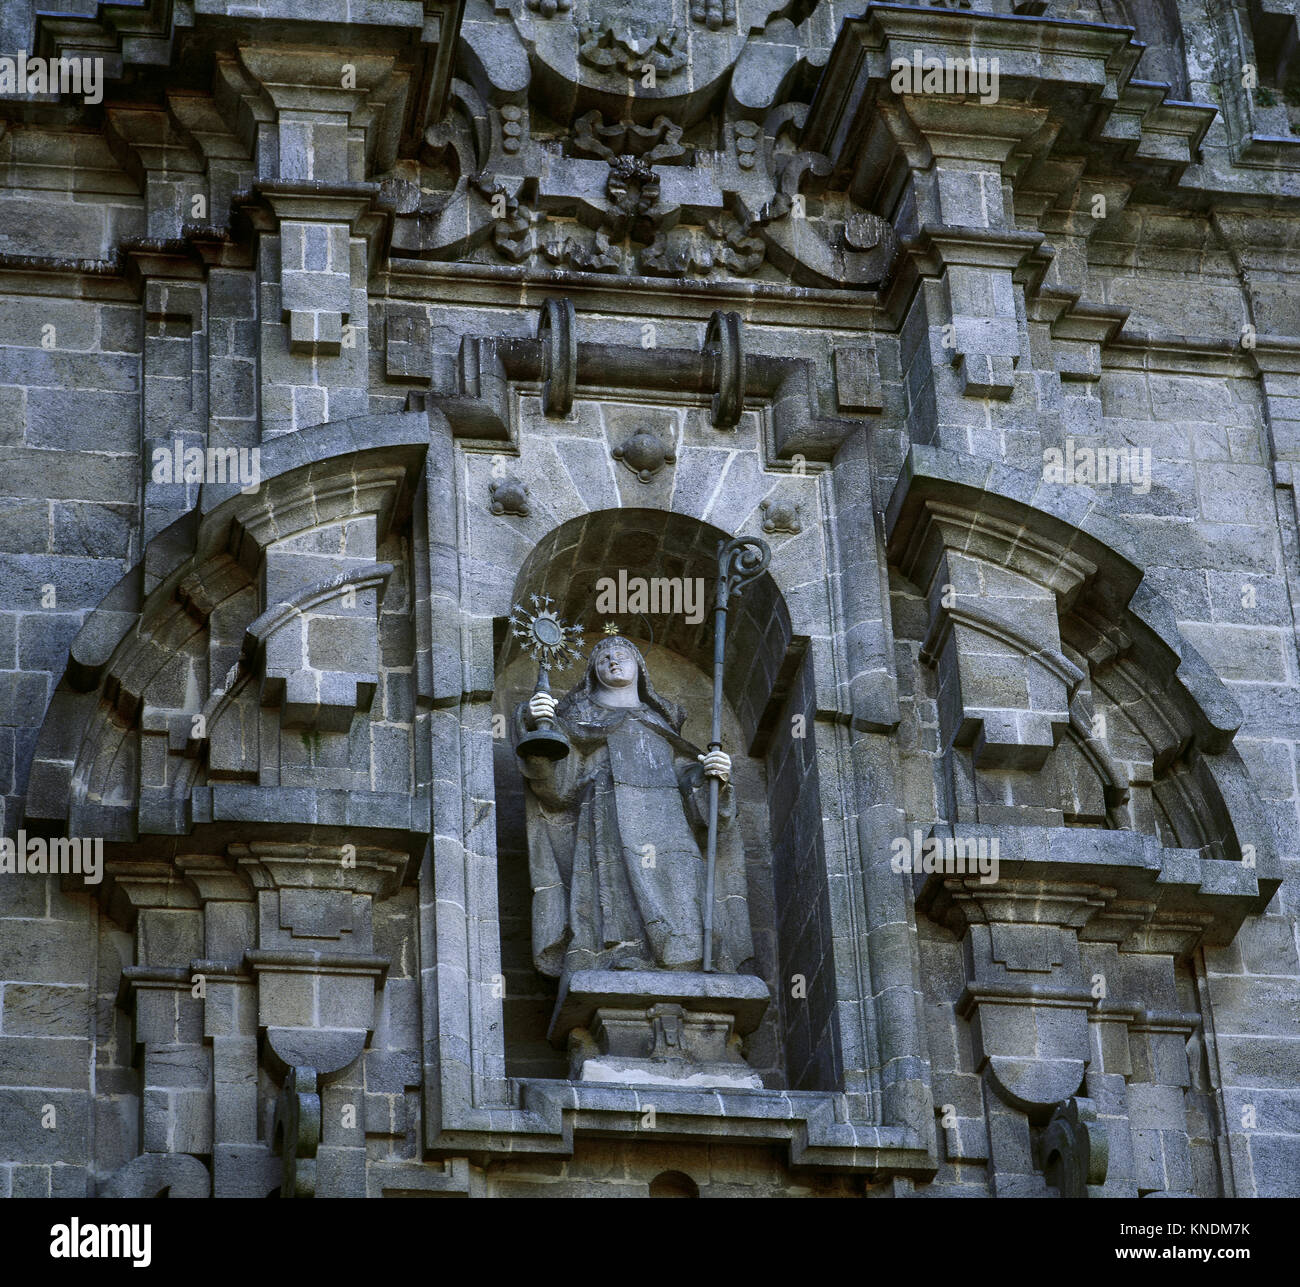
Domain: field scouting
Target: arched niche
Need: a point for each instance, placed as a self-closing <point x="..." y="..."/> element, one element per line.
<point x="673" y="1184"/>
<point x="768" y="728"/>
<point x="762" y="650"/>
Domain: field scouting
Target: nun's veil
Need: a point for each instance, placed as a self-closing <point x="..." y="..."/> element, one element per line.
<point x="579" y="705"/>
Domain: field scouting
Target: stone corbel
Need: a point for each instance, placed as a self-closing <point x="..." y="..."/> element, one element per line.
<point x="316" y="970"/>
<point x="1047" y="952"/>
<point x="318" y="979"/>
<point x="979" y="269"/>
<point x="1025" y="994"/>
<point x="315" y="138"/>
<point x="317" y="225"/>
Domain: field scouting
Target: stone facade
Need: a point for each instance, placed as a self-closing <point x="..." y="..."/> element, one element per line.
<point x="330" y="332"/>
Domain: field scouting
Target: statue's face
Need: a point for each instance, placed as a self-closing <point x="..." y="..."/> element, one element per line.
<point x="616" y="667"/>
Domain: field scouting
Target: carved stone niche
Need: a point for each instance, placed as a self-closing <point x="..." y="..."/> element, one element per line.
<point x="810" y="1057"/>
<point x="615" y="1019"/>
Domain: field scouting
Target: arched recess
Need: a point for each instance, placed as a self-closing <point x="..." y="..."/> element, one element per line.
<point x="240" y="726"/>
<point x="879" y="1112"/>
<point x="769" y="729"/>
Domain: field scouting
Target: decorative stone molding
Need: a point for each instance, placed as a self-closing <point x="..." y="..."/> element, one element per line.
<point x="713" y="13"/>
<point x="781" y="516"/>
<point x="645" y="454"/>
<point x="1075" y="1148"/>
<point x="509" y="496"/>
<point x="297" y="1132"/>
<point x="630" y="47"/>
<point x="314" y="963"/>
<point x="473" y="393"/>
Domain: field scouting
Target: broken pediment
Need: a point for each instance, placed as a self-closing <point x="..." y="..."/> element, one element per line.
<point x="1075" y="721"/>
<point x="259" y="665"/>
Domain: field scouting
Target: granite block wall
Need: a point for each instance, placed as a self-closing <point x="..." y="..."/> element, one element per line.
<point x="481" y="308"/>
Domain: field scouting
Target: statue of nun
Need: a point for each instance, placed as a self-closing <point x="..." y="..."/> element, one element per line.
<point x="617" y="830"/>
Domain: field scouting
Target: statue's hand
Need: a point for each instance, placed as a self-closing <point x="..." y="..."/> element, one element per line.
<point x="717" y="764"/>
<point x="541" y="706"/>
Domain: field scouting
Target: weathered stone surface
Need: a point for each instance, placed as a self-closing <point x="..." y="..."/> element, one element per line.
<point x="527" y="297"/>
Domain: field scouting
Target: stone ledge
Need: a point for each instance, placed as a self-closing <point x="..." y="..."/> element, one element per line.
<point x="743" y="995"/>
<point x="810" y="1123"/>
<point x="1179" y="890"/>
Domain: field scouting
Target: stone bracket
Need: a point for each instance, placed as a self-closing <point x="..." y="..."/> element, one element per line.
<point x="316" y="1005"/>
<point x="979" y="270"/>
<point x="315" y="285"/>
<point x="317" y="223"/>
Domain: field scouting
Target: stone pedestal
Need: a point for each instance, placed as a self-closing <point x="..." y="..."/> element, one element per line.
<point x="659" y="1028"/>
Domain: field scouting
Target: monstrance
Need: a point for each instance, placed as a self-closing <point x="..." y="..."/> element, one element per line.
<point x="553" y="645"/>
